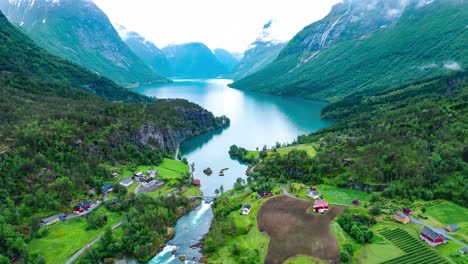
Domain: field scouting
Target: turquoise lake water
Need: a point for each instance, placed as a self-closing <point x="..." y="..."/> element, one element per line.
<point x="256" y="120"/>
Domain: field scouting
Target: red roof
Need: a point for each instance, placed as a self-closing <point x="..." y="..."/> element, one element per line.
<point x="196" y="182"/>
<point x="320" y="203"/>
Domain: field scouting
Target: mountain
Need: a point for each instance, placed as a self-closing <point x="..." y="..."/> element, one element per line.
<point x="259" y="54"/>
<point x="193" y="60"/>
<point x="79" y="31"/>
<point x="62" y="126"/>
<point x="368" y="45"/>
<point x="228" y="59"/>
<point x="146" y="50"/>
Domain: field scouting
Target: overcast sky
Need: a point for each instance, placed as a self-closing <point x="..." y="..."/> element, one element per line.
<point x="229" y="24"/>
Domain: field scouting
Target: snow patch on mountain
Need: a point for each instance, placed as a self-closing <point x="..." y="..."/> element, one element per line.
<point x="268" y="36"/>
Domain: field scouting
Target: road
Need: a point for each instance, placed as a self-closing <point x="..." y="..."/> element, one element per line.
<point x="90" y="244"/>
<point x="438" y="230"/>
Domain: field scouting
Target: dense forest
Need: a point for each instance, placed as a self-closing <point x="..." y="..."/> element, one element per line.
<point x="409" y="141"/>
<point x="60" y="125"/>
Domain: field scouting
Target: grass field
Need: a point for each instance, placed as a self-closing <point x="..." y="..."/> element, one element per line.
<point x="64" y="239"/>
<point x="254" y="239"/>
<point x="309" y="149"/>
<point x="446" y="212"/>
<point x="340" y="195"/>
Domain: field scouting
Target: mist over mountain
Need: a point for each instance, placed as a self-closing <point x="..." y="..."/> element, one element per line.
<point x="368" y="44"/>
<point x="260" y="53"/>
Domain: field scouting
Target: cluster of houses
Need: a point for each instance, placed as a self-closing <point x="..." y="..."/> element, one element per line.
<point x="146" y="180"/>
<point x="320" y="206"/>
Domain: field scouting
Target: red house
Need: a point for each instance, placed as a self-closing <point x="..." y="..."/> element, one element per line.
<point x="407" y="212"/>
<point x="432" y="238"/>
<point x="196" y="182"/>
<point x="356" y="202"/>
<point x="264" y="193"/>
<point x="313" y="188"/>
<point x="320" y="206"/>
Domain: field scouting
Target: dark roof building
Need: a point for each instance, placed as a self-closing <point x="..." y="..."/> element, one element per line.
<point x="431" y="237"/>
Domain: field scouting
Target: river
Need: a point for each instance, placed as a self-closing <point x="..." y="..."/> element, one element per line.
<point x="256" y="120"/>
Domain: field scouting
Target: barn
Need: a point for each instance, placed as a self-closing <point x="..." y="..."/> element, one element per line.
<point x="431" y="237"/>
<point x="320" y="206"/>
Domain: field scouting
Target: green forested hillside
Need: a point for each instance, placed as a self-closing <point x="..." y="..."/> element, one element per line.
<point x="426" y="41"/>
<point x="60" y="125"/>
<point x="410" y="141"/>
<point x="79" y="31"/>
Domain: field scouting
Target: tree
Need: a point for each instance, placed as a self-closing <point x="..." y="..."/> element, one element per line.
<point x="344" y="256"/>
<point x="217" y="192"/>
<point x="221" y="189"/>
<point x="235" y="249"/>
<point x="35" y="226"/>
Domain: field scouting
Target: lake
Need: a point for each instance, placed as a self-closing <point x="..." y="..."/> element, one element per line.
<point x="256" y="120"/>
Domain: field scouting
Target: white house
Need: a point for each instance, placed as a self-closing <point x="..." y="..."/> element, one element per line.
<point x="313" y="194"/>
<point x="246" y="209"/>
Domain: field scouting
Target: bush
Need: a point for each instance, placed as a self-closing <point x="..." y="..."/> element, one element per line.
<point x="344" y="257"/>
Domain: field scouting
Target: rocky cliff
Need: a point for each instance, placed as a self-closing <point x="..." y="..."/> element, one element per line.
<point x="198" y="121"/>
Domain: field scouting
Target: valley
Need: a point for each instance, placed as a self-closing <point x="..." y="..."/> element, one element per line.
<point x="143" y="133"/>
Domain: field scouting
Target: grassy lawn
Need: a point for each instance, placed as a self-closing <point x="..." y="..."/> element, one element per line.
<point x="309" y="149"/>
<point x="340" y="195"/>
<point x="447" y="212"/>
<point x="254" y="239"/>
<point x="304" y="260"/>
<point x="378" y="253"/>
<point x="64" y="239"/>
<point x="192" y="191"/>
<point x="251" y="154"/>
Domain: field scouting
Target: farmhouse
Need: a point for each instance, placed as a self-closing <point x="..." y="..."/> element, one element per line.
<point x="246" y="209"/>
<point x="401" y="217"/>
<point x="407" y="211"/>
<point x="264" y="193"/>
<point x="52" y="219"/>
<point x="451" y="228"/>
<point x="126" y="182"/>
<point x="320" y="206"/>
<point x="431" y="237"/>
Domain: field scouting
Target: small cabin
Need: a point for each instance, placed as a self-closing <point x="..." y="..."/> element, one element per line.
<point x="356" y="202"/>
<point x="320" y="206"/>
<point x="246" y="209"/>
<point x="431" y="237"/>
<point x="407" y="212"/>
<point x="313" y="188"/>
<point x="52" y="219"/>
<point x="197" y="182"/>
<point x="451" y="228"/>
<point x="314" y="195"/>
<point x="347" y="161"/>
<point x="107" y="188"/>
<point x="401" y="217"/>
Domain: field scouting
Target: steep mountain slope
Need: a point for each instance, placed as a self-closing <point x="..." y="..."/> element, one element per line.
<point x="193" y="60"/>
<point x="145" y="50"/>
<point x="58" y="129"/>
<point x="80" y="32"/>
<point x="369" y="44"/>
<point x="259" y="54"/>
<point x="226" y="58"/>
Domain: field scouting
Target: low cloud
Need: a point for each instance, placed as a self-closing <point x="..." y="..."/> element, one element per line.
<point x="453" y="66"/>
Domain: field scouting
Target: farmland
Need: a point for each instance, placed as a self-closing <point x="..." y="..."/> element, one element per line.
<point x="293" y="231"/>
<point x="415" y="251"/>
